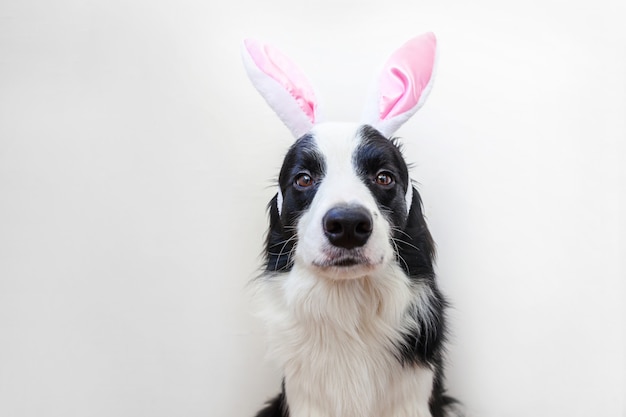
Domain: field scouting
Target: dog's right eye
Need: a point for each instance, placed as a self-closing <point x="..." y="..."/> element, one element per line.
<point x="383" y="178"/>
<point x="303" y="180"/>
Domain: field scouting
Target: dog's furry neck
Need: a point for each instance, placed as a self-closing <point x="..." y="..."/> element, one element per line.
<point x="335" y="338"/>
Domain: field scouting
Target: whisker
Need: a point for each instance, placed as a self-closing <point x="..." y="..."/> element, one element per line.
<point x="400" y="256"/>
<point x="406" y="243"/>
<point x="283" y="241"/>
<point x="291" y="252"/>
<point x="282" y="249"/>
<point x="396" y="229"/>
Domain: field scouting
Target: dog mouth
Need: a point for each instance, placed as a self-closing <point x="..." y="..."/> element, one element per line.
<point x="345" y="262"/>
<point x="343" y="259"/>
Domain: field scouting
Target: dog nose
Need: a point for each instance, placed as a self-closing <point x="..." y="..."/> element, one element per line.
<point x="347" y="226"/>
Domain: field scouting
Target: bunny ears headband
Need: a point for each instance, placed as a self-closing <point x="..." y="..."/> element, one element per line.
<point x="400" y="90"/>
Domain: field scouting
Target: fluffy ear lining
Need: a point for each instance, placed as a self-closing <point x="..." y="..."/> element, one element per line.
<point x="403" y="84"/>
<point x="282" y="84"/>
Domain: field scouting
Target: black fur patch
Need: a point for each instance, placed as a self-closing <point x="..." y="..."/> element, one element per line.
<point x="276" y="407"/>
<point x="303" y="156"/>
<point x="376" y="153"/>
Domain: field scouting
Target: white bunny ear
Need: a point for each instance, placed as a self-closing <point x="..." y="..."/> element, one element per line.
<point x="285" y="88"/>
<point x="403" y="85"/>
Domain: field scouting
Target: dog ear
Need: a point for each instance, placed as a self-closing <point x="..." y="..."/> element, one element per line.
<point x="282" y="84"/>
<point x="403" y="85"/>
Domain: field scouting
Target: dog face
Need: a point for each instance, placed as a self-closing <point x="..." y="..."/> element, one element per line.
<point x="344" y="190"/>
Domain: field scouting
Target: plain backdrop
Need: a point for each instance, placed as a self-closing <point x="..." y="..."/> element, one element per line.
<point x="136" y="161"/>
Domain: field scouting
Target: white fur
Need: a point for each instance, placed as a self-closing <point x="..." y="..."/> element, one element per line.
<point x="334" y="340"/>
<point x="334" y="330"/>
<point x="408" y="197"/>
<point x="279" y="201"/>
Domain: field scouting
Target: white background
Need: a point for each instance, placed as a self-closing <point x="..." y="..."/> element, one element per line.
<point x="136" y="161"/>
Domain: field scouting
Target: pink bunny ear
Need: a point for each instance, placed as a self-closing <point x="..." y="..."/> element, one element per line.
<point x="403" y="84"/>
<point x="282" y="84"/>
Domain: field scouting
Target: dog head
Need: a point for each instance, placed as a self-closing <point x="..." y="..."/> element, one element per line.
<point x="345" y="206"/>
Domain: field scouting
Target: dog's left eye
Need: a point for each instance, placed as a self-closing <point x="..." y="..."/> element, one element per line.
<point x="383" y="178"/>
<point x="303" y="180"/>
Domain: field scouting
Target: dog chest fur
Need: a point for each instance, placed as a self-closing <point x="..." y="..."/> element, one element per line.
<point x="337" y="342"/>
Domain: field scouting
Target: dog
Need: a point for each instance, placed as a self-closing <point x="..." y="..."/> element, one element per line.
<point x="354" y="314"/>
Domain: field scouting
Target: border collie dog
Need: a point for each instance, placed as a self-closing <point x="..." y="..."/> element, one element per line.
<point x="349" y="296"/>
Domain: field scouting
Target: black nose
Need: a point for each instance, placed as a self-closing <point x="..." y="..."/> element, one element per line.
<point x="347" y="226"/>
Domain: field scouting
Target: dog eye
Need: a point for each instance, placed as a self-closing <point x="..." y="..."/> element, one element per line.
<point x="383" y="178"/>
<point x="303" y="180"/>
